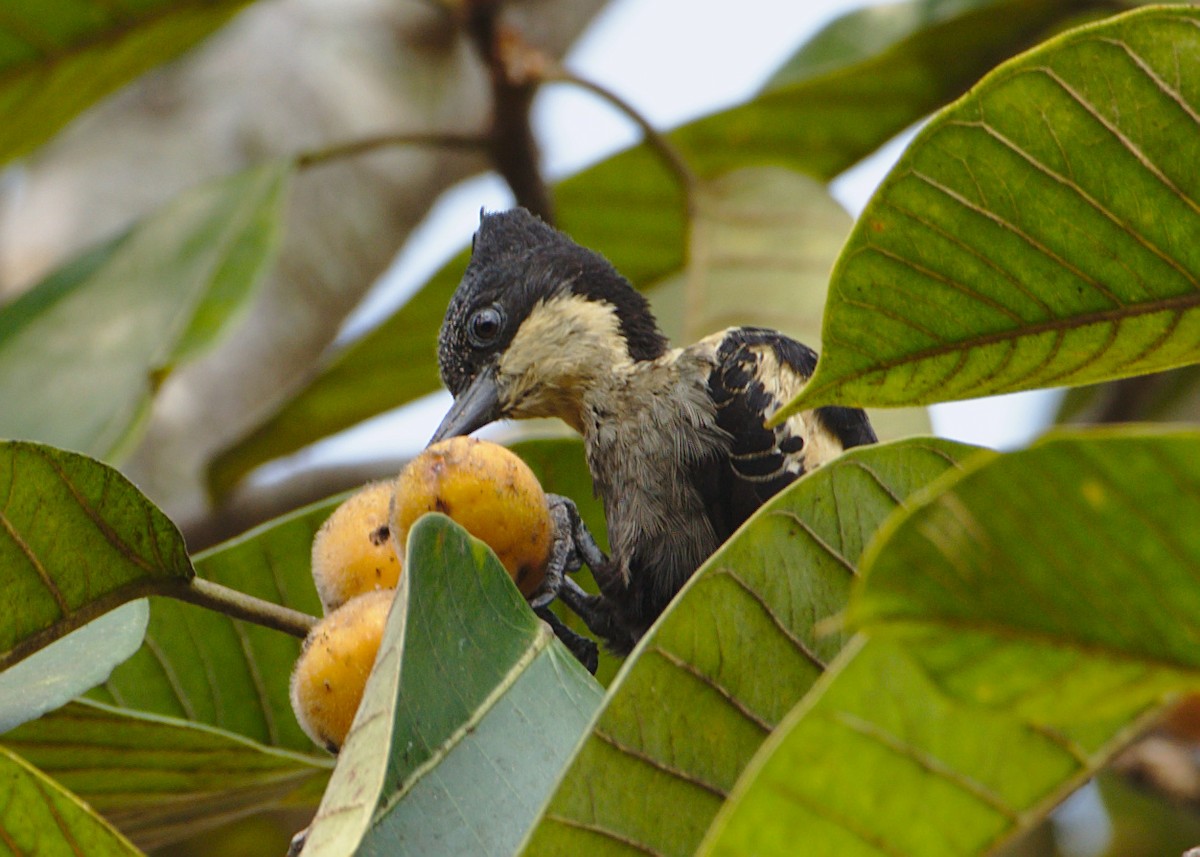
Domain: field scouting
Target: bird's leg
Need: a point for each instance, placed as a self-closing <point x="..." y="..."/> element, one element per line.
<point x="572" y="546"/>
<point x="585" y="651"/>
<point x="564" y="555"/>
<point x="583" y="544"/>
<point x="598" y="614"/>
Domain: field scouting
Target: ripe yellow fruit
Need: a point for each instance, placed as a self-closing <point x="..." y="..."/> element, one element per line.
<point x="331" y="672"/>
<point x="353" y="551"/>
<point x="487" y="489"/>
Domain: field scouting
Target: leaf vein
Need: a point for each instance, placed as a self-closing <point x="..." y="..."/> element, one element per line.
<point x="928" y="763"/>
<point x="31" y="555"/>
<point x="607" y="833"/>
<point x="659" y="765"/>
<point x="1012" y="228"/>
<point x="827" y="548"/>
<point x="1119" y="135"/>
<point x="798" y="643"/>
<point x="725" y="693"/>
<point x="1087" y="198"/>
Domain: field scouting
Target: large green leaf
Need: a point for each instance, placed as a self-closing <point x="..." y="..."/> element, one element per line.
<point x="160" y="779"/>
<point x="1099" y="523"/>
<point x="40" y="817"/>
<point x="469" y="714"/>
<point x="58" y="58"/>
<point x="1038" y="232"/>
<point x="76" y="540"/>
<point x="728" y="660"/>
<point x="1024" y="619"/>
<point x="867" y="77"/>
<point x="82" y="353"/>
<point x="202" y="683"/>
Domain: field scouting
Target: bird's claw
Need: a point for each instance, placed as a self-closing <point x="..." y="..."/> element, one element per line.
<point x="571" y="547"/>
<point x="564" y="555"/>
<point x="585" y="650"/>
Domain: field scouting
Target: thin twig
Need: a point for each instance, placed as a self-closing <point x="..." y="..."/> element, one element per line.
<point x="239" y="605"/>
<point x="662" y="146"/>
<point x="352" y="148"/>
<point x="513" y="147"/>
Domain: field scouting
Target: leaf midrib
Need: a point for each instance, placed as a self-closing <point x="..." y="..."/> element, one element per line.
<point x="1126" y="312"/>
<point x="537" y="644"/>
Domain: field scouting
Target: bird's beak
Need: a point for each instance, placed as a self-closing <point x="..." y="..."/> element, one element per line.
<point x="474" y="408"/>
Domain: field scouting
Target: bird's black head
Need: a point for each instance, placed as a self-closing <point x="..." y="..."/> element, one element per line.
<point x="533" y="311"/>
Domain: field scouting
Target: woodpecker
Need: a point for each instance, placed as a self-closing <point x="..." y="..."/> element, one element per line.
<point x="675" y="438"/>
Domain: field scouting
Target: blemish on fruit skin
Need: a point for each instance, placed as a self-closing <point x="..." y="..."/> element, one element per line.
<point x="379" y="536"/>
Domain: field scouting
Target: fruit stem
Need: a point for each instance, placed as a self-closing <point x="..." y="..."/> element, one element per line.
<point x="239" y="605"/>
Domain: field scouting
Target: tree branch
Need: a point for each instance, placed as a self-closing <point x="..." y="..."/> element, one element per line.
<point x="512" y="146"/>
<point x="666" y="151"/>
<point x="352" y="148"/>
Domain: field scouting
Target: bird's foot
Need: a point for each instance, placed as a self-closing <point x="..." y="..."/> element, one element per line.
<point x="572" y="546"/>
<point x="585" y="650"/>
<point x="564" y="556"/>
<point x="567" y="519"/>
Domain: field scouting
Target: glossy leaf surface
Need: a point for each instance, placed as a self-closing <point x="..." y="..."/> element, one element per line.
<point x="1023" y="620"/>
<point x="1039" y="232"/>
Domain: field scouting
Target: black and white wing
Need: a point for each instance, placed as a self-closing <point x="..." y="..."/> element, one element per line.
<point x="757" y="371"/>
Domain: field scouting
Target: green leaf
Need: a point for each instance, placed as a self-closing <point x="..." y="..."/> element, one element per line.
<point x="82" y="353"/>
<point x="40" y="817"/>
<point x="762" y="244"/>
<point x="76" y="540"/>
<point x="826" y="110"/>
<point x="159" y="779"/>
<point x="73" y="665"/>
<point x="1038" y="232"/>
<point x="1097" y="523"/>
<point x="1025" y="618"/>
<point x="58" y="58"/>
<point x="469" y="714"/>
<point x="728" y="660"/>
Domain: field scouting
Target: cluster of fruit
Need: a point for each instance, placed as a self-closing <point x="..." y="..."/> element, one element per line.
<point x="357" y="560"/>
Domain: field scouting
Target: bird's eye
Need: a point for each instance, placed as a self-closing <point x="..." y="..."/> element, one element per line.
<point x="485" y="325"/>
